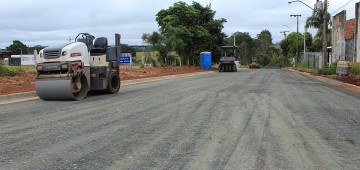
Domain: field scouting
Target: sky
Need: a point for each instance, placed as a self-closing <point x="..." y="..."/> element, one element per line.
<point x="51" y="22"/>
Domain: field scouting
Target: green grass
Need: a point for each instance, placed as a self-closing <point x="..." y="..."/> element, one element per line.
<point x="10" y="70"/>
<point x="303" y="64"/>
<point x="308" y="70"/>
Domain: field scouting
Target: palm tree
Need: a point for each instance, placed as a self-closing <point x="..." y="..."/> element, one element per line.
<point x="316" y="21"/>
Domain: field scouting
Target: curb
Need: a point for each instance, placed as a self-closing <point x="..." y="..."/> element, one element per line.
<point x="18" y="97"/>
<point x="26" y="96"/>
<point x="344" y="85"/>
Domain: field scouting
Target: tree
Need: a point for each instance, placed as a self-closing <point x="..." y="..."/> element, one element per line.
<point x="264" y="41"/>
<point x="263" y="44"/>
<point x="246" y="45"/>
<point x="316" y="21"/>
<point x="17" y="48"/>
<point x="37" y="48"/>
<point x="191" y="30"/>
<point x="308" y="41"/>
<point x="158" y="43"/>
<point x="284" y="45"/>
<point x="291" y="39"/>
<point x="127" y="49"/>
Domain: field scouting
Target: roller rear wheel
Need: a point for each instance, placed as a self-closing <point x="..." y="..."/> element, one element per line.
<point x="113" y="83"/>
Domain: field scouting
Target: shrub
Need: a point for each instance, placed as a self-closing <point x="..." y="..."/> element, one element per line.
<point x="10" y="70"/>
<point x="354" y="69"/>
<point x="333" y="67"/>
<point x="329" y="71"/>
<point x="325" y="71"/>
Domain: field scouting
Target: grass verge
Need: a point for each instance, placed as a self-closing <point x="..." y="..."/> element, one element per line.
<point x="10" y="70"/>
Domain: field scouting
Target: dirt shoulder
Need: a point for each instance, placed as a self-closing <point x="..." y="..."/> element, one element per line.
<point x="25" y="82"/>
<point x="351" y="79"/>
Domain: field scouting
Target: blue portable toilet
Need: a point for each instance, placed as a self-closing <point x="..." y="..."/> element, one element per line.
<point x="205" y="59"/>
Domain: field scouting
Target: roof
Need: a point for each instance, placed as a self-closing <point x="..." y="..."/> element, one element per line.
<point x="4" y="51"/>
<point x="350" y="29"/>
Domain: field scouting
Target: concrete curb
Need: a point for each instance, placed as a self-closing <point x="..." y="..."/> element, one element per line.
<point x="26" y="96"/>
<point x="347" y="86"/>
<point x="18" y="97"/>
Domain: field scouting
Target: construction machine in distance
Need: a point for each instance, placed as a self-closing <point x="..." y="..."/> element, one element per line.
<point x="229" y="63"/>
<point x="254" y="63"/>
<point x="69" y="71"/>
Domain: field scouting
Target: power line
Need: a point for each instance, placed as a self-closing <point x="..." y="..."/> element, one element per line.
<point x="341" y="7"/>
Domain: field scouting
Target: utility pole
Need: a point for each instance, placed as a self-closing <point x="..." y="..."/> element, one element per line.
<point x="284" y="33"/>
<point x="297" y="38"/>
<point x="324" y="45"/>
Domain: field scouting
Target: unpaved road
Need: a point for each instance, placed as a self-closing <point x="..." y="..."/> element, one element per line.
<point x="252" y="119"/>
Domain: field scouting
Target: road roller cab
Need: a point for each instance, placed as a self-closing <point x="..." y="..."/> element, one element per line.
<point x="68" y="71"/>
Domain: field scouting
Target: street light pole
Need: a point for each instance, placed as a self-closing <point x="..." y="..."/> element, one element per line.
<point x="302" y="3"/>
<point x="297" y="37"/>
<point x="288" y="27"/>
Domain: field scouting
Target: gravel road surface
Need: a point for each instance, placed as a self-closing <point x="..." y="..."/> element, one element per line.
<point x="252" y="119"/>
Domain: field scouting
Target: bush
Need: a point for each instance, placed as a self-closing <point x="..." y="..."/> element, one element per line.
<point x="329" y="71"/>
<point x="325" y="71"/>
<point x="10" y="70"/>
<point x="354" y="69"/>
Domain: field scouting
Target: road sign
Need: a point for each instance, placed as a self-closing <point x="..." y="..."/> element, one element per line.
<point x="125" y="59"/>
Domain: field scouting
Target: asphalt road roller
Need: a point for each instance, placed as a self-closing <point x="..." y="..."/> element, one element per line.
<point x="229" y="63"/>
<point x="69" y="71"/>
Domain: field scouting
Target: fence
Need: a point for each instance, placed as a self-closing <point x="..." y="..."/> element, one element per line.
<point x="312" y="59"/>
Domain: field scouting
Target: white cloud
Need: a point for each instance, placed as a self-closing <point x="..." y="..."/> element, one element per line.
<point x="50" y="22"/>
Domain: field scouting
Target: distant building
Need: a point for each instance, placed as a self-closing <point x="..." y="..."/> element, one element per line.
<point x="24" y="60"/>
<point x="4" y="54"/>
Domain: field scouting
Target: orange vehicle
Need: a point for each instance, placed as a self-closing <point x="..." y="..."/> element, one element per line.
<point x="254" y="63"/>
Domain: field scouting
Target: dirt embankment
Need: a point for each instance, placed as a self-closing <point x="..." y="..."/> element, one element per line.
<point x="25" y="82"/>
<point x="352" y="79"/>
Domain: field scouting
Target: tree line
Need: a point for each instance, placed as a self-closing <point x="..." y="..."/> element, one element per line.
<point x="190" y="29"/>
<point x="186" y="30"/>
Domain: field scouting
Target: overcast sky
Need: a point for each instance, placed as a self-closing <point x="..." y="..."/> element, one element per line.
<point x="49" y="22"/>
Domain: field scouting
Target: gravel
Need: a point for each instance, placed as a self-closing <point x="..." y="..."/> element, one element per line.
<point x="251" y="119"/>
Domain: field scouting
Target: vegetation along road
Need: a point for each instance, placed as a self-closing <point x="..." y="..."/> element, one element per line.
<point x="251" y="119"/>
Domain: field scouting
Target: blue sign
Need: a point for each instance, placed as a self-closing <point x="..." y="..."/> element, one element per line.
<point x="125" y="59"/>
